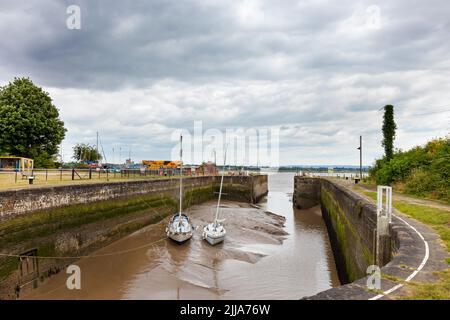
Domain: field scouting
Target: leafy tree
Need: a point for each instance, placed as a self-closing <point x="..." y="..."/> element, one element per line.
<point x="84" y="152"/>
<point x="29" y="122"/>
<point x="389" y="128"/>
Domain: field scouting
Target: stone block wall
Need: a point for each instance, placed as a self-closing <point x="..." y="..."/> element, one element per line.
<point x="74" y="220"/>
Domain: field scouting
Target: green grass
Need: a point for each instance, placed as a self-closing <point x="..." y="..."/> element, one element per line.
<point x="371" y="194"/>
<point x="400" y="189"/>
<point x="439" y="220"/>
<point x="439" y="290"/>
<point x="425" y="214"/>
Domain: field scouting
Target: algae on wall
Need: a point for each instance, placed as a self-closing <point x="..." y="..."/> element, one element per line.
<point x="75" y="230"/>
<point x="348" y="240"/>
<point x="197" y="195"/>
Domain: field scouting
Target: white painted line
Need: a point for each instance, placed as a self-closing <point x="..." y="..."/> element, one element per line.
<point x="412" y="275"/>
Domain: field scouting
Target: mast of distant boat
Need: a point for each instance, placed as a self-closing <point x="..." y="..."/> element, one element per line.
<point x="181" y="175"/>
<point x="220" y="189"/>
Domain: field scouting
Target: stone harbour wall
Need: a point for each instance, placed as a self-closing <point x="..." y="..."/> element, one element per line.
<point x="18" y="202"/>
<point x="75" y="220"/>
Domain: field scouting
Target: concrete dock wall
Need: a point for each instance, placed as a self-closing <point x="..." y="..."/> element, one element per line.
<point x="351" y="223"/>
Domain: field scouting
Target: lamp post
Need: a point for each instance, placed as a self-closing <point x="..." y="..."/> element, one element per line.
<point x="360" y="157"/>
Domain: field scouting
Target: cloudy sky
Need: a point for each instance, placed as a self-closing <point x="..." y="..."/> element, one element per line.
<point x="316" y="71"/>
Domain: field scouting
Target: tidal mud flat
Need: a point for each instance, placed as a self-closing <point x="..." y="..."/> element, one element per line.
<point x="145" y="265"/>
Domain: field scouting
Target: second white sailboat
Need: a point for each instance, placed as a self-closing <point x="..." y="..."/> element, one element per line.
<point x="215" y="232"/>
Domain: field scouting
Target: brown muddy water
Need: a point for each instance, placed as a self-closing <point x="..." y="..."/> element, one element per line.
<point x="270" y="252"/>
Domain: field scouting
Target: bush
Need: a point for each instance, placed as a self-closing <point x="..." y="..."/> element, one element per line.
<point x="425" y="171"/>
<point x="421" y="182"/>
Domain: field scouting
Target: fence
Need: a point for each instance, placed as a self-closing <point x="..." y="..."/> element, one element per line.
<point x="344" y="175"/>
<point x="12" y="178"/>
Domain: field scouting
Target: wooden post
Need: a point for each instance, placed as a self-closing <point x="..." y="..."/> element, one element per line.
<point x="73" y="173"/>
<point x="46" y="174"/>
<point x="90" y="173"/>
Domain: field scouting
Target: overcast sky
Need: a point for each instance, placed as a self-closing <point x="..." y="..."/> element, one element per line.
<point x="319" y="71"/>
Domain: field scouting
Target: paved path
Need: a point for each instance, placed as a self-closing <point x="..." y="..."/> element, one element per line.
<point x="437" y="251"/>
<point x="402" y="197"/>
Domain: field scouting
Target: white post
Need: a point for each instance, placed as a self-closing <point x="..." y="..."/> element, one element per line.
<point x="384" y="208"/>
<point x="384" y="216"/>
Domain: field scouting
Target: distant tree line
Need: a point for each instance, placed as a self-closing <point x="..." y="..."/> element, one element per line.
<point x="83" y="152"/>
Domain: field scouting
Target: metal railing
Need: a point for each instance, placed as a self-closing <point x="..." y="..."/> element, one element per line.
<point x="339" y="175"/>
<point x="11" y="177"/>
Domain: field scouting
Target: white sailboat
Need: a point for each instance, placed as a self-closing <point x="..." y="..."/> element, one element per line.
<point x="215" y="232"/>
<point x="180" y="228"/>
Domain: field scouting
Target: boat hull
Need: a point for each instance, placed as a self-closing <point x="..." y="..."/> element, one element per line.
<point x="179" y="237"/>
<point x="180" y="228"/>
<point x="214" y="234"/>
<point x="214" y="240"/>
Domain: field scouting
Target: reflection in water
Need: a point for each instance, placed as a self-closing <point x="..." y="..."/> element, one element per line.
<point x="258" y="260"/>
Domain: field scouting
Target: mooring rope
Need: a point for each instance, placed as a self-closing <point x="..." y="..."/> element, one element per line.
<point x="164" y="200"/>
<point x="84" y="256"/>
<point x="9" y="255"/>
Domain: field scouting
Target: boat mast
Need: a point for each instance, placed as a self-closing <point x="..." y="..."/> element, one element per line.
<point x="221" y="183"/>
<point x="181" y="174"/>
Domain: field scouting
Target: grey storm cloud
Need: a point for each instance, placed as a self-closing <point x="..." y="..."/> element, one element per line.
<point x="137" y="70"/>
<point x="135" y="42"/>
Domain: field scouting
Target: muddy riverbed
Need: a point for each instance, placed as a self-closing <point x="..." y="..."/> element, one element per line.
<point x="271" y="252"/>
